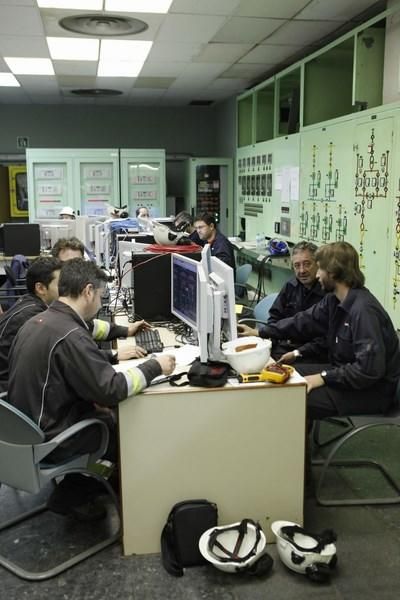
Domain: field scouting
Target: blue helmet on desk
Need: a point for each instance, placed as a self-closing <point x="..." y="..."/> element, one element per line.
<point x="277" y="247"/>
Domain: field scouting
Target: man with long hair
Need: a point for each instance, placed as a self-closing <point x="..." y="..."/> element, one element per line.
<point x="363" y="347"/>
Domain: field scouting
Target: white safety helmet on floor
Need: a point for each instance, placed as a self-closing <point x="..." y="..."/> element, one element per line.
<point x="311" y="554"/>
<point x="237" y="548"/>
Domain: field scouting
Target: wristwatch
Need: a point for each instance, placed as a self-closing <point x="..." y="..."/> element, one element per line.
<point x="297" y="353"/>
<point x="323" y="374"/>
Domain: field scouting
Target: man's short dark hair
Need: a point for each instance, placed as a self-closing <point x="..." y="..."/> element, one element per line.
<point x="76" y="274"/>
<point x="183" y="217"/>
<point x="68" y="244"/>
<point x="208" y="219"/>
<point x="42" y="271"/>
<point x="340" y="260"/>
<point x="305" y="247"/>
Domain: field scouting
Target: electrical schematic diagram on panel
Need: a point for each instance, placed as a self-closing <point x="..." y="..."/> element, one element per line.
<point x="370" y="185"/>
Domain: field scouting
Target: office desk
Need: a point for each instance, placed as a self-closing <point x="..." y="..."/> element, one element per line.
<point x="241" y="447"/>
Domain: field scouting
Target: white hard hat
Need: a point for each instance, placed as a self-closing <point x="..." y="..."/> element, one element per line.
<point x="236" y="548"/>
<point x="164" y="236"/>
<point x="311" y="554"/>
<point x="67" y="210"/>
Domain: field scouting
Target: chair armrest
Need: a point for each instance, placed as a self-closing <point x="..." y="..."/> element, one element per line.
<point x="43" y="449"/>
<point x="251" y="320"/>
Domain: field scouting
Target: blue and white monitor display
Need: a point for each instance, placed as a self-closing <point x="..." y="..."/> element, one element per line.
<point x="184" y="289"/>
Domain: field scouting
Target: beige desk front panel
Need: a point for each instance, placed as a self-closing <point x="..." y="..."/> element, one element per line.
<point x="242" y="448"/>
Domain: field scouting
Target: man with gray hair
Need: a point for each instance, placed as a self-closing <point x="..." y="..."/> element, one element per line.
<point x="299" y="293"/>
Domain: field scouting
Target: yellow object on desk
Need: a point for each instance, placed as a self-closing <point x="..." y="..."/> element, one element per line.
<point x="273" y="373"/>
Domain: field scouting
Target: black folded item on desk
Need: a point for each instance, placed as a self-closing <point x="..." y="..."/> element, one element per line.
<point x="210" y="374"/>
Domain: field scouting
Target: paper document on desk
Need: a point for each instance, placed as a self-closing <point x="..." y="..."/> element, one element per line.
<point x="184" y="355"/>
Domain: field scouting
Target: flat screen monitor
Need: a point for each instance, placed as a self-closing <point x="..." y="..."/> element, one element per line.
<point x="191" y="299"/>
<point x="20" y="238"/>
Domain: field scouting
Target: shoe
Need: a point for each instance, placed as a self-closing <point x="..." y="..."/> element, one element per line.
<point x="73" y="491"/>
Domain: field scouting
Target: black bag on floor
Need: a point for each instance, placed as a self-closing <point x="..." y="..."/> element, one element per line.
<point x="180" y="536"/>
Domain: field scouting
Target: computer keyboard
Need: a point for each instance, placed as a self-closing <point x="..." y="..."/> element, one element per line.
<point x="150" y="340"/>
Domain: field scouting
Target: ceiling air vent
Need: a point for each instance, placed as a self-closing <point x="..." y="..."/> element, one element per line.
<point x="95" y="92"/>
<point x="201" y="102"/>
<point x="102" y="25"/>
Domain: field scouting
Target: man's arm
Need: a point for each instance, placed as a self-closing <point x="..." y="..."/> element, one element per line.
<point x="307" y="325"/>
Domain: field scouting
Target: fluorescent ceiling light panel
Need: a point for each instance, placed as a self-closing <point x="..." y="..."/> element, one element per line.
<point x="145" y="6"/>
<point x="65" y="48"/>
<point x="30" y="66"/>
<point x="121" y="50"/>
<point x="74" y="4"/>
<point x="8" y="80"/>
<point x="122" y="68"/>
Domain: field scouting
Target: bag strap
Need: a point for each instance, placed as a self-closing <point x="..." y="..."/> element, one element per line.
<point x="174" y="378"/>
<point x="168" y="557"/>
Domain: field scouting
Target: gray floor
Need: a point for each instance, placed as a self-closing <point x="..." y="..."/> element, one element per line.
<point x="368" y="554"/>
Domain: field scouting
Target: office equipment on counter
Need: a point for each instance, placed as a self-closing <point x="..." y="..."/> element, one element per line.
<point x="150" y="340"/>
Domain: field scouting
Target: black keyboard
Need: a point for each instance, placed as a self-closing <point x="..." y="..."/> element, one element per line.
<point x="150" y="340"/>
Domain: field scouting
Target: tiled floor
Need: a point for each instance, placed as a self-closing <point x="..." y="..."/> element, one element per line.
<point x="368" y="557"/>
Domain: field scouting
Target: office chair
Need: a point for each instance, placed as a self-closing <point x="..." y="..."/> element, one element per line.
<point x="359" y="424"/>
<point x="22" y="466"/>
<point x="242" y="277"/>
<point x="261" y="310"/>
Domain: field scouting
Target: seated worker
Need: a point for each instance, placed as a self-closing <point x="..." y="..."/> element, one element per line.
<point x="299" y="293"/>
<point x="42" y="285"/>
<point x="184" y="222"/>
<point x="208" y="233"/>
<point x="102" y="331"/>
<point x="58" y="376"/>
<point x="363" y="347"/>
<point x="142" y="212"/>
<point x="67" y="214"/>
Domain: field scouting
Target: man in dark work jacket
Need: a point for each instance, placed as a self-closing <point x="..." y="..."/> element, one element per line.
<point x="364" y="357"/>
<point x="208" y="233"/>
<point x="42" y="285"/>
<point x="298" y="294"/>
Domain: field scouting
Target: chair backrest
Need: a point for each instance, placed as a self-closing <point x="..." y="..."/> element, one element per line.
<point x="243" y="273"/>
<point x="262" y="308"/>
<point x="18" y="435"/>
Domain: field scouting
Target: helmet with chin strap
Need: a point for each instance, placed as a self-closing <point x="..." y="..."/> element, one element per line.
<point x="308" y="553"/>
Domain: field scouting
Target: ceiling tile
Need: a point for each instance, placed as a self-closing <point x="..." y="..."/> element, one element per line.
<point x="166" y="52"/>
<point x="153" y="82"/>
<point x="38" y="83"/>
<point x="205" y="71"/>
<point x="302" y="33"/>
<point x="339" y="10"/>
<point x="18" y="2"/>
<point x="216" y="52"/>
<point x="269" y="54"/>
<point x="20" y="21"/>
<point x="24" y="46"/>
<point x="246" y="30"/>
<point x="76" y="81"/>
<point x="271" y="8"/>
<point x="75" y="67"/>
<point x="204" y="7"/>
<point x="185" y="28"/>
<point x="244" y="71"/>
<point x="162" y="69"/>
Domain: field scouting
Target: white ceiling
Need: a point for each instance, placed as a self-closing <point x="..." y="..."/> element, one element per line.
<point x="202" y="49"/>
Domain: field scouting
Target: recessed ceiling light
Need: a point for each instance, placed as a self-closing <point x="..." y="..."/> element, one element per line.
<point x="119" y="68"/>
<point x="73" y="48"/>
<point x="146" y="6"/>
<point x="132" y="50"/>
<point x="95" y="92"/>
<point x="30" y="66"/>
<point x="102" y="25"/>
<point x="8" y="80"/>
<point x="73" y="4"/>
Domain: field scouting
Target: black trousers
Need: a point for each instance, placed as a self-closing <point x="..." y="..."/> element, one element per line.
<point x="88" y="441"/>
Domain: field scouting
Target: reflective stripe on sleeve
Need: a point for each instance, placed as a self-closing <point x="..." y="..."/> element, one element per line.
<point x="135" y="381"/>
<point x="101" y="329"/>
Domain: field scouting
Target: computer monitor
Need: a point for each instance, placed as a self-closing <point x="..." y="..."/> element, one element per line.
<point x="20" y="238"/>
<point x="221" y="279"/>
<point x="191" y="299"/>
<point x="51" y="230"/>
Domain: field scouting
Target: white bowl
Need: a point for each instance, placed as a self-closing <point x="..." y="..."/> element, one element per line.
<point x="252" y="360"/>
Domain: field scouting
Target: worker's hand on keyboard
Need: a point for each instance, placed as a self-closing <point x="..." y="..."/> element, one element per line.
<point x="128" y="352"/>
<point x="167" y="363"/>
<point x="245" y="330"/>
<point x="133" y="328"/>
